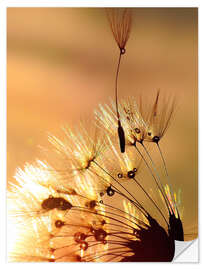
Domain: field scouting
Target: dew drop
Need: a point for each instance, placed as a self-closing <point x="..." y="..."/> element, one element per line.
<point x="120" y="175"/>
<point x="122" y="50"/>
<point x="84" y="245"/>
<point x="59" y="223"/>
<point x="110" y="192"/>
<point x="155" y="139"/>
<point x="135" y="170"/>
<point x="131" y="174"/>
<point x="137" y="130"/>
<point x="100" y="235"/>
<point x="79" y="237"/>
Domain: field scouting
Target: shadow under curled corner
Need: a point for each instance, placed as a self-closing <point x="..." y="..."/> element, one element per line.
<point x="186" y="251"/>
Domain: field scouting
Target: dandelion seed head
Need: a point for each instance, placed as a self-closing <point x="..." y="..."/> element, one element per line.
<point x="71" y="218"/>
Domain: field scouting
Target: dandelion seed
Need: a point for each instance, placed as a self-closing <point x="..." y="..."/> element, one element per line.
<point x="87" y="147"/>
<point x="120" y="22"/>
<point x="79" y="153"/>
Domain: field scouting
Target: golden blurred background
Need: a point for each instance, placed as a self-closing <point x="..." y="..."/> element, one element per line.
<point x="61" y="64"/>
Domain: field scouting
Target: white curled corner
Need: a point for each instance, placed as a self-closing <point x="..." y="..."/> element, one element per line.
<point x="186" y="251"/>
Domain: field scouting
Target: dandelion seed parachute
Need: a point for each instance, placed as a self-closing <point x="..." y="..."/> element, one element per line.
<point x="77" y="154"/>
<point x="120" y="23"/>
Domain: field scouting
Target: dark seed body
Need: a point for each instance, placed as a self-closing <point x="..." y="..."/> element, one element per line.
<point x="121" y="136"/>
<point x="176" y="227"/>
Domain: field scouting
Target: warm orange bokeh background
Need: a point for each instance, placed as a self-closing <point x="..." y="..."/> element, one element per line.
<point x="61" y="64"/>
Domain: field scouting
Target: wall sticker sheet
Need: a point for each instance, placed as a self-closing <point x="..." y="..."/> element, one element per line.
<point x="102" y="134"/>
